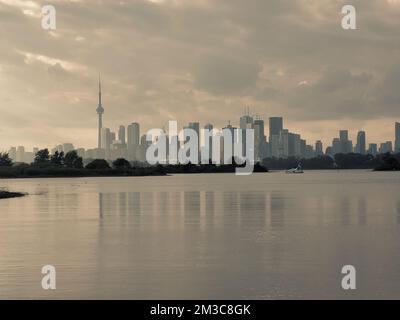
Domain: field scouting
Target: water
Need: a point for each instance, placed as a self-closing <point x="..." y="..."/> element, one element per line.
<point x="266" y="236"/>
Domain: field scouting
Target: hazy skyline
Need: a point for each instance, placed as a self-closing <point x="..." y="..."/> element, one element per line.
<point x="199" y="61"/>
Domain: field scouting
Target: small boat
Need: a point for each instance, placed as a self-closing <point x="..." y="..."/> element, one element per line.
<point x="299" y="169"/>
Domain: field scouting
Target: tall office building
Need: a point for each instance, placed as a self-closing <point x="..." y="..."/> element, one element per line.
<point x="67" y="147"/>
<point x="133" y="140"/>
<point x="20" y="154"/>
<point x="246" y="122"/>
<point x="283" y="144"/>
<point x="386" y="147"/>
<point x="121" y="135"/>
<point x="373" y="149"/>
<point x="336" y="146"/>
<point x="259" y="139"/>
<point x="397" y="137"/>
<point x="319" y="148"/>
<point x="346" y="146"/>
<point x="361" y="143"/>
<point x="13" y="153"/>
<point x="297" y="145"/>
<point x="275" y="126"/>
<point x="100" y="112"/>
<point x="303" y="148"/>
<point x="234" y="139"/>
<point x="106" y="141"/>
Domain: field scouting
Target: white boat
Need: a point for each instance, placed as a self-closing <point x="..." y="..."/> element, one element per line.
<point x="299" y="169"/>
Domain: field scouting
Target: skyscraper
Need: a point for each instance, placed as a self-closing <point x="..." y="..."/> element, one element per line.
<point x="346" y="146"/>
<point x="284" y="143"/>
<point x="246" y="122"/>
<point x="373" y="149"/>
<point x="319" y="148"/>
<point x="121" y="135"/>
<point x="106" y="140"/>
<point x="275" y="126"/>
<point x="133" y="140"/>
<point x="20" y="154"/>
<point x="397" y="137"/>
<point x="259" y="139"/>
<point x="361" y="144"/>
<point x="100" y="112"/>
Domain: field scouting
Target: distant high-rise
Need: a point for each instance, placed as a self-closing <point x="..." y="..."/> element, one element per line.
<point x="13" y="153"/>
<point x="121" y="135"/>
<point x="319" y="148"/>
<point x="133" y="140"/>
<point x="67" y="147"/>
<point x="283" y="150"/>
<point x="100" y="112"/>
<point x="373" y="149"/>
<point x="259" y="139"/>
<point x="344" y="135"/>
<point x="386" y="147"/>
<point x="246" y="122"/>
<point x="361" y="143"/>
<point x="20" y="154"/>
<point x="275" y="126"/>
<point x="303" y="148"/>
<point x="346" y="146"/>
<point x="397" y="137"/>
<point x="106" y="140"/>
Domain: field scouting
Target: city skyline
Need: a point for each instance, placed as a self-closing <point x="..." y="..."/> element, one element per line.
<point x="131" y="143"/>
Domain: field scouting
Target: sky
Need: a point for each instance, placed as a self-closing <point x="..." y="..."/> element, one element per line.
<point x="197" y="60"/>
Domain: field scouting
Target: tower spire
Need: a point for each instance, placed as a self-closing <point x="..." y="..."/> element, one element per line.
<point x="100" y="111"/>
<point x="99" y="90"/>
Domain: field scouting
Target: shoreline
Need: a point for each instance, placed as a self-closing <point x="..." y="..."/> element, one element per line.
<point x="10" y="195"/>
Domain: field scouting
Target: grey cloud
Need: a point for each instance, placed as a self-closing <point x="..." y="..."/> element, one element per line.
<point x="223" y="75"/>
<point x="198" y="60"/>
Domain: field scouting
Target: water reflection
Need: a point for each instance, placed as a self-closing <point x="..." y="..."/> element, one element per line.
<point x="362" y="211"/>
<point x="191" y="200"/>
<point x="277" y="209"/>
<point x="344" y="210"/>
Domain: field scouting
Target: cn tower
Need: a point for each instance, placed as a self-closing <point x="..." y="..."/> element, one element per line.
<point x="100" y="112"/>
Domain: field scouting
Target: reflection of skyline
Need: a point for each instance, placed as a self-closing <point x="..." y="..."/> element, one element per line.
<point x="233" y="208"/>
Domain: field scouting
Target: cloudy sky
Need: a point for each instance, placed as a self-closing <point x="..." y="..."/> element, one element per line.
<point x="197" y="60"/>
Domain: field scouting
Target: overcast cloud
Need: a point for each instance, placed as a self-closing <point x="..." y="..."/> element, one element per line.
<point x="197" y="60"/>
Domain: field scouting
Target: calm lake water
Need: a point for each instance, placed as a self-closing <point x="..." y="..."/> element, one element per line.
<point x="265" y="236"/>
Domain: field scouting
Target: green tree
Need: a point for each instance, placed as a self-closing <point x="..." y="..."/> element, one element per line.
<point x="72" y="160"/>
<point x="5" y="160"/>
<point x="42" y="156"/>
<point x="121" y="164"/>
<point x="98" y="164"/>
<point x="57" y="158"/>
